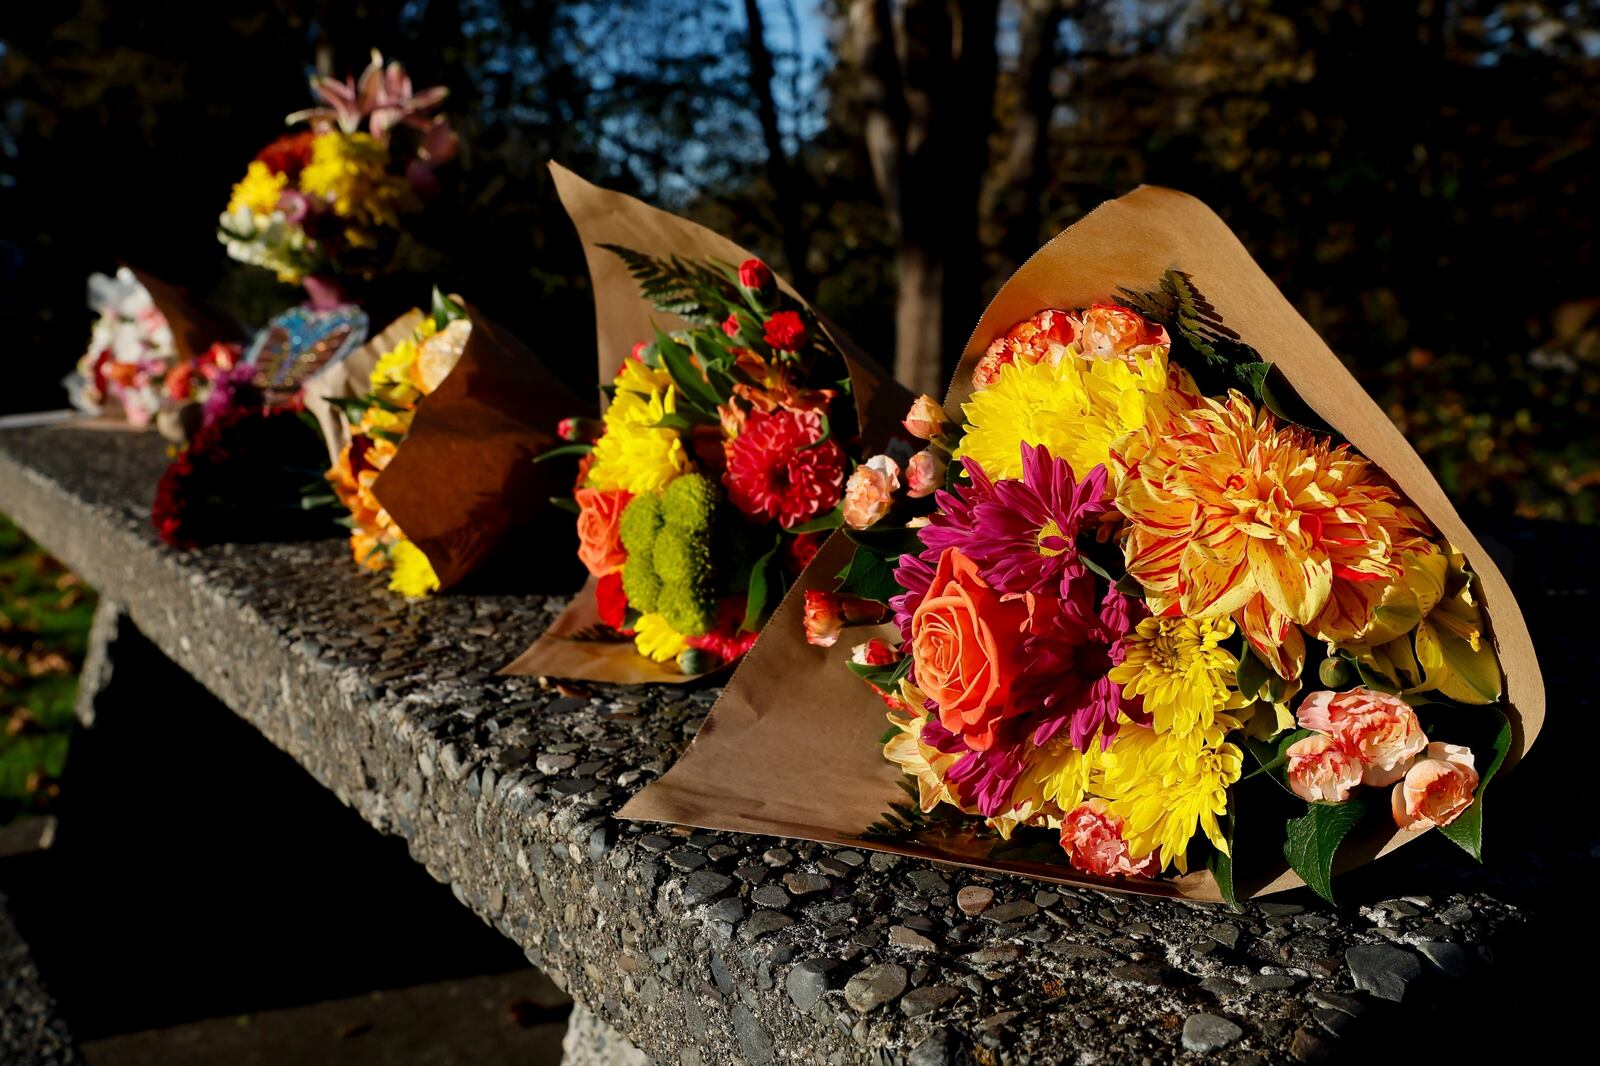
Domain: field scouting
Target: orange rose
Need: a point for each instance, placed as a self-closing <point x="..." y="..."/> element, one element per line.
<point x="965" y="645"/>
<point x="599" y="544"/>
<point x="1437" y="789"/>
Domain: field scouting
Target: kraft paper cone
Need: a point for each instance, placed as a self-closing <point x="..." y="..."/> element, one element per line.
<point x="792" y="747"/>
<point x="194" y="326"/>
<point x="350" y="379"/>
<point x="623" y="317"/>
<point x="464" y="481"/>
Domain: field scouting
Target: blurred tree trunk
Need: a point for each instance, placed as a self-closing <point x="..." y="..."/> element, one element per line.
<point x="1025" y="172"/>
<point x="927" y="78"/>
<point x="781" y="173"/>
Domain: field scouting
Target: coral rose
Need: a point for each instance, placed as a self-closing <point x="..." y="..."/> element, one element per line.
<point x="1437" y="789"/>
<point x="1092" y="838"/>
<point x="1379" y="729"/>
<point x="870" y="491"/>
<point x="1321" y="770"/>
<point x="966" y="647"/>
<point x="599" y="543"/>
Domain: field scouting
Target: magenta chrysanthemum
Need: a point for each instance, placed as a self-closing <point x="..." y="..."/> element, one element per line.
<point x="1024" y="533"/>
<point x="981" y="779"/>
<point x="1071" y="649"/>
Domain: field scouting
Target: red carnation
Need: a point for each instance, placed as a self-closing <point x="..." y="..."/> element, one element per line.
<point x="730" y="325"/>
<point x="777" y="470"/>
<point x="639" y="348"/>
<point x="786" y="331"/>
<point x="610" y="601"/>
<point x="754" y="275"/>
<point x="288" y="154"/>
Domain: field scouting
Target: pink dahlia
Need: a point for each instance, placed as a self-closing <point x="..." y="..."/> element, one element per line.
<point x="778" y="470"/>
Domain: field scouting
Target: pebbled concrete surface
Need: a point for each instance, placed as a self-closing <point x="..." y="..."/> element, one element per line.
<point x="31" y="1033"/>
<point x="711" y="947"/>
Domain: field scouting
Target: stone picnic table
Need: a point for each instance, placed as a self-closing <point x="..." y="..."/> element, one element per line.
<point x="702" y="947"/>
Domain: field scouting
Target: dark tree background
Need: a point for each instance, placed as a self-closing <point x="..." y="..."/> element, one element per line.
<point x="1420" y="178"/>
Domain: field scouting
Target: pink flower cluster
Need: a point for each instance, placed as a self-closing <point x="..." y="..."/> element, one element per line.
<point x="1362" y="737"/>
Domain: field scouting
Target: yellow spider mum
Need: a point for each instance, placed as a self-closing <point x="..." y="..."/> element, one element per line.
<point x="351" y="172"/>
<point x="258" y="193"/>
<point x="657" y="640"/>
<point x="1058" y="776"/>
<point x="1075" y="407"/>
<point x="413" y="573"/>
<point x="1167" y="787"/>
<point x="1177" y="665"/>
<point x="635" y="454"/>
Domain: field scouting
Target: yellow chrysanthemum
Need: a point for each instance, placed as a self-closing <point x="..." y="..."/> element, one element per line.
<point x="395" y="378"/>
<point x="351" y="172"/>
<point x="258" y="192"/>
<point x="1076" y="407"/>
<point x="413" y="573"/>
<point x="657" y="640"/>
<point x="1058" y="776"/>
<point x="635" y="454"/>
<point x="1179" y="668"/>
<point x="1166" y="787"/>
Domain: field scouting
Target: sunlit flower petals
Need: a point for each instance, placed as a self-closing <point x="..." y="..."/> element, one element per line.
<point x="1437" y="789"/>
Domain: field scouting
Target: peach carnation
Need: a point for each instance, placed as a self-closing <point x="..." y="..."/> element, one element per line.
<point x="870" y="491"/>
<point x="1092" y="838"/>
<point x="1380" y="730"/>
<point x="1044" y="338"/>
<point x="1321" y="770"/>
<point x="1437" y="789"/>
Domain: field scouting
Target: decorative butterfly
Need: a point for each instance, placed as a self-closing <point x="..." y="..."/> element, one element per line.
<point x="301" y="341"/>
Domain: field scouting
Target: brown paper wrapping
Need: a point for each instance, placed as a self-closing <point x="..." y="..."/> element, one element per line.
<point x="194" y="326"/>
<point x="464" y="481"/>
<point x="623" y="317"/>
<point x="792" y="747"/>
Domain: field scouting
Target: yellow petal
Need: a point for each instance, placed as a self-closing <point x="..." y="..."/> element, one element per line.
<point x="1297" y="587"/>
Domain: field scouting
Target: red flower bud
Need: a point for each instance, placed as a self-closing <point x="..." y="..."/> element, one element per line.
<point x="579" y="430"/>
<point x="730" y="325"/>
<point x="754" y="275"/>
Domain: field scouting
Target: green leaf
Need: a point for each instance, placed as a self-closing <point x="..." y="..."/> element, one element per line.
<point x="563" y="450"/>
<point x="1252" y="674"/>
<point x="887" y="678"/>
<point x="1466" y="832"/>
<point x="445" y="310"/>
<point x="685" y="375"/>
<point x="832" y="520"/>
<point x="870" y="575"/>
<point x="682" y="423"/>
<point x="891" y="542"/>
<point x="1312" y="840"/>
<point x="1222" y="865"/>
<point x="765" y="578"/>
<point x="825" y="436"/>
<point x="566" y="503"/>
<point x="1271" y="755"/>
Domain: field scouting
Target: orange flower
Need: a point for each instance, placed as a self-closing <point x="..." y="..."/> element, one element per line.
<point x="1437" y="789"/>
<point x="1110" y="331"/>
<point x="599" y="542"/>
<point x="352" y="477"/>
<point x="966" y="642"/>
<point x="1229" y="513"/>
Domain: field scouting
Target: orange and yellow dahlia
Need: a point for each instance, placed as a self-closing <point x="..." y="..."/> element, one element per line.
<point x="1231" y="514"/>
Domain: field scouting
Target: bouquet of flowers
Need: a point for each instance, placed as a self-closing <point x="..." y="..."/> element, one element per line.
<point x="431" y="428"/>
<point x="721" y="459"/>
<point x="329" y="201"/>
<point x="152" y="353"/>
<point x="407" y="369"/>
<point x="1140" y="611"/>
